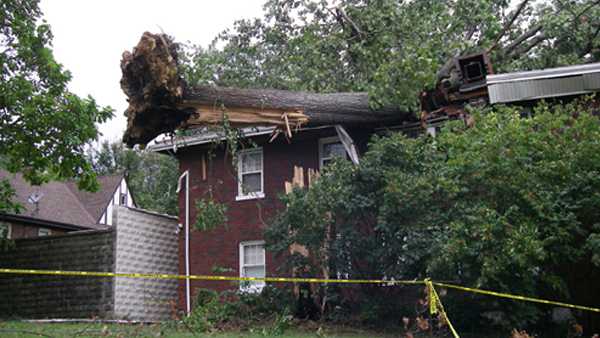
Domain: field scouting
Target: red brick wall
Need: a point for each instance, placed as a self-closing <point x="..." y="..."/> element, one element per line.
<point x="220" y="247"/>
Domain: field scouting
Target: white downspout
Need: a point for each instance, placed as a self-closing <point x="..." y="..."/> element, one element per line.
<point x="186" y="174"/>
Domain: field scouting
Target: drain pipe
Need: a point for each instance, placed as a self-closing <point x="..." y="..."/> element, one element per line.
<point x="186" y="174"/>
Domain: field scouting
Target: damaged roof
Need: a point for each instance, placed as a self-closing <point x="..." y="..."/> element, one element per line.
<point x="203" y="136"/>
<point x="206" y="135"/>
<point x="539" y="84"/>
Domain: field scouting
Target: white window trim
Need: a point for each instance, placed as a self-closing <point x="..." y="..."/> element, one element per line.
<point x="8" y="230"/>
<point x="40" y="230"/>
<point x="244" y="286"/>
<point x="254" y="195"/>
<point x="323" y="141"/>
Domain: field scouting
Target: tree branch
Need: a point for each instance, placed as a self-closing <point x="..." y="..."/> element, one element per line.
<point x="342" y="17"/>
<point x="583" y="11"/>
<point x="509" y="24"/>
<point x="590" y="44"/>
<point x="533" y="42"/>
<point x="518" y="41"/>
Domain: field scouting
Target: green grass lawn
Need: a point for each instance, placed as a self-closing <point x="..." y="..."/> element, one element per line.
<point x="13" y="329"/>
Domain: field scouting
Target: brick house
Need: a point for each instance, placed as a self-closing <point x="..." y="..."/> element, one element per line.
<point x="56" y="208"/>
<point x="251" y="193"/>
<point x="251" y="190"/>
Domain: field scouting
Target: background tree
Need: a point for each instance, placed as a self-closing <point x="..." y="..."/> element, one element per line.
<point x="392" y="49"/>
<point x="44" y="128"/>
<point x="152" y="177"/>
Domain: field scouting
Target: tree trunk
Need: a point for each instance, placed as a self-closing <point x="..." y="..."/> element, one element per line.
<point x="160" y="101"/>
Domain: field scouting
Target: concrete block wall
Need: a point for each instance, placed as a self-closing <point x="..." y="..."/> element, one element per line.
<point x="33" y="296"/>
<point x="145" y="243"/>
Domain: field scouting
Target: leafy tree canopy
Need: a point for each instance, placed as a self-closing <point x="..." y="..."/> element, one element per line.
<point x="392" y="49"/>
<point x="511" y="204"/>
<point x="44" y="128"/>
<point x="152" y="177"/>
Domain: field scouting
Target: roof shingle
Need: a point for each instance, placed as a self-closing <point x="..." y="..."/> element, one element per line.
<point x="62" y="201"/>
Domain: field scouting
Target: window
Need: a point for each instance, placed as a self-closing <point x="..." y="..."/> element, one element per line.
<point x="330" y="148"/>
<point x="252" y="264"/>
<point x="44" y="232"/>
<point x="250" y="174"/>
<point x="124" y="199"/>
<point x="5" y="230"/>
<point x="431" y="131"/>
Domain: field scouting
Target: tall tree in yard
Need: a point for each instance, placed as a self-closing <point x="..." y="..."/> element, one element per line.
<point x="44" y="128"/>
<point x="392" y="49"/>
<point x="385" y="53"/>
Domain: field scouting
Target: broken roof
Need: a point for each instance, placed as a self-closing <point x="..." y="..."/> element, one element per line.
<point x="205" y="136"/>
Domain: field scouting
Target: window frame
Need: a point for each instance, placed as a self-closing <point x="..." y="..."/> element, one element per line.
<point x="43" y="230"/>
<point x="122" y="196"/>
<point x="257" y="286"/>
<point x="254" y="195"/>
<point x="8" y="230"/>
<point x="328" y="140"/>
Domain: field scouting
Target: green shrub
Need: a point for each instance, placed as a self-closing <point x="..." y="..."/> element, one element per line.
<point x="509" y="204"/>
<point x="215" y="311"/>
<point x="210" y="214"/>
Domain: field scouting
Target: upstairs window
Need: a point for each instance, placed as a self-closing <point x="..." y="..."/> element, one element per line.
<point x="252" y="264"/>
<point x="330" y="148"/>
<point x="42" y="232"/>
<point x="123" y="198"/>
<point x="5" y="230"/>
<point x="250" y="174"/>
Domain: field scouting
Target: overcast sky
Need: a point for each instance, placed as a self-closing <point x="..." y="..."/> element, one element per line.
<point x="90" y="36"/>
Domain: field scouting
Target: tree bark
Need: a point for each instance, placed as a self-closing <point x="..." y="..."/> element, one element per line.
<point x="160" y="101"/>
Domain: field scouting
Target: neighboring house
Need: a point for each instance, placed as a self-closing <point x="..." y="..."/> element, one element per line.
<point x="60" y="207"/>
<point x="250" y="190"/>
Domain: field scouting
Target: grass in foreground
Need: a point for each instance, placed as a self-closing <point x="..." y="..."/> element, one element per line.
<point x="13" y="329"/>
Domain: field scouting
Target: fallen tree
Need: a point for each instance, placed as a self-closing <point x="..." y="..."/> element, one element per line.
<point x="160" y="101"/>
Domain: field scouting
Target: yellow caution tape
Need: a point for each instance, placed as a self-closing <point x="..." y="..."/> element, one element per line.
<point x="516" y="297"/>
<point x="435" y="305"/>
<point x="432" y="300"/>
<point x="292" y="280"/>
<point x="208" y="277"/>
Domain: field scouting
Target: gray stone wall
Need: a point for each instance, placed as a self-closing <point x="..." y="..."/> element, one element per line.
<point x="37" y="296"/>
<point x="145" y="243"/>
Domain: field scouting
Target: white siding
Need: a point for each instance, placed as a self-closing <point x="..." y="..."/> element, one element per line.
<point x="122" y="188"/>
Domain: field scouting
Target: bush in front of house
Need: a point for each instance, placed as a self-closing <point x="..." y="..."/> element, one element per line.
<point x="269" y="310"/>
<point x="509" y="204"/>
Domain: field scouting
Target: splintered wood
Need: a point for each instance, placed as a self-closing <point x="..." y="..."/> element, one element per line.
<point x="298" y="179"/>
<point x="286" y="120"/>
<point x="322" y="255"/>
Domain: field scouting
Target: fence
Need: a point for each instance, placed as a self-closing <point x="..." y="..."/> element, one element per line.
<point x="140" y="241"/>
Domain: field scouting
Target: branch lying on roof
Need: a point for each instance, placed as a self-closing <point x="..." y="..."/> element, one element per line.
<point x="160" y="101"/>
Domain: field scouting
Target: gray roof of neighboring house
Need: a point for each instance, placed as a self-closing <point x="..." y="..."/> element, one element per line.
<point x="95" y="202"/>
<point x="62" y="202"/>
<point x="538" y="84"/>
